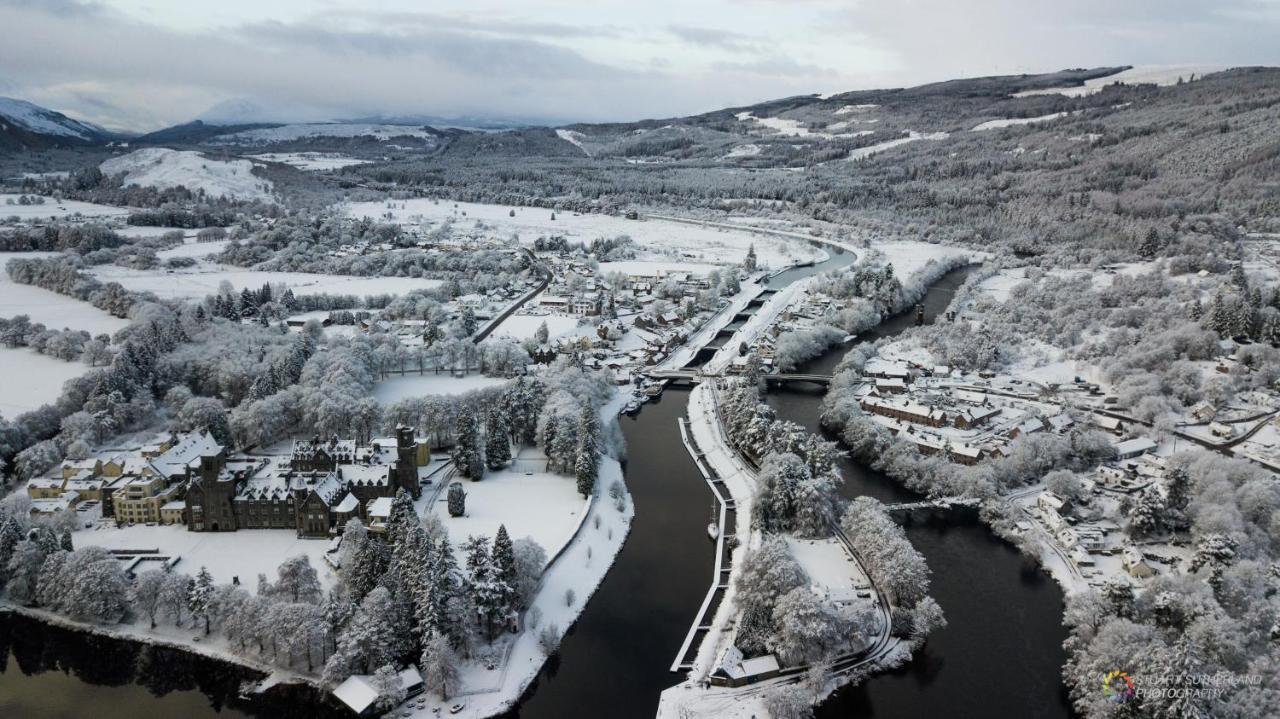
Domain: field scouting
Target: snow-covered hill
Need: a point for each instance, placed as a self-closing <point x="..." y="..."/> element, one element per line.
<point x="43" y="121"/>
<point x="163" y="168"/>
<point x="312" y="131"/>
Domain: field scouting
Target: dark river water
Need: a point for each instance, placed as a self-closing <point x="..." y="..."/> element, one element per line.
<point x="1000" y="656"/>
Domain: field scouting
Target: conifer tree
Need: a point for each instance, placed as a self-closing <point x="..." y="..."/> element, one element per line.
<point x="497" y="440"/>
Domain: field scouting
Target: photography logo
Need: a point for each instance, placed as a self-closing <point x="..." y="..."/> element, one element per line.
<point x="1117" y="686"/>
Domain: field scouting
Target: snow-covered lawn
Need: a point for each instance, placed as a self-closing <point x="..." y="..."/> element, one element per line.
<point x="830" y="567"/>
<point x="163" y="168"/>
<point x="243" y="554"/>
<point x="55" y="209"/>
<point x="198" y="282"/>
<point x="32" y="379"/>
<point x="311" y="161"/>
<point x="522" y="326"/>
<point x="48" y="307"/>
<point x="414" y="385"/>
<point x="544" y="506"/>
<point x="693" y="243"/>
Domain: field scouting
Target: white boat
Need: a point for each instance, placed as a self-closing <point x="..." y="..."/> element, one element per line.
<point x="713" y="531"/>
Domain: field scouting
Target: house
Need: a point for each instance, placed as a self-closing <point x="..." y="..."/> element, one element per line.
<point x="360" y="695"/>
<point x="905" y="411"/>
<point x="1222" y="430"/>
<point x="734" y="671"/>
<point x="1048" y="501"/>
<point x="1131" y="448"/>
<point x="1135" y="563"/>
<point x="1060" y="423"/>
<point x="140" y="497"/>
<point x="1108" y="424"/>
<point x="1026" y="426"/>
<point x="975" y="416"/>
<point x="1203" y="411"/>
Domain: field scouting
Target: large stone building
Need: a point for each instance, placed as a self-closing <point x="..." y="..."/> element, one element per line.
<point x="323" y="485"/>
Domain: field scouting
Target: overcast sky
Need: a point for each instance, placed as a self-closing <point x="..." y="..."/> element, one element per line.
<point x="145" y="64"/>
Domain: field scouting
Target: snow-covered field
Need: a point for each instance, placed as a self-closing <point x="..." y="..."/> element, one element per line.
<point x="303" y="131"/>
<point x="1140" y="75"/>
<point x="194" y="249"/>
<point x="197" y="283"/>
<point x="147" y="232"/>
<point x="641" y="267"/>
<point x="572" y="137"/>
<point x="311" y="161"/>
<point x="910" y="257"/>
<point x="687" y="242"/>
<point x="1010" y="122"/>
<point x="413" y="385"/>
<point x="50" y="308"/>
<point x="912" y="136"/>
<point x="55" y="209"/>
<point x="792" y="128"/>
<point x="32" y="379"/>
<point x="242" y="554"/>
<point x="163" y="168"/>
<point x="522" y="327"/>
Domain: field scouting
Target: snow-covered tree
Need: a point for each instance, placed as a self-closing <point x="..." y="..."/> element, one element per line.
<point x="804" y="628"/>
<point x="200" y="599"/>
<point x="439" y="667"/>
<point x="497" y="440"/>
<point x="467" y="454"/>
<point x="391" y="693"/>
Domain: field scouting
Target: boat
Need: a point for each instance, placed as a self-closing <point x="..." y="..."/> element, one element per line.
<point x="713" y="531"/>
<point x="653" y="390"/>
<point x="633" y="406"/>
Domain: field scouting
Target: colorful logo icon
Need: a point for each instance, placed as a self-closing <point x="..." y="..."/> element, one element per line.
<point x="1117" y="686"/>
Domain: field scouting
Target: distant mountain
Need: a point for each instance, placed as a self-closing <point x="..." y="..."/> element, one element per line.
<point x="195" y="133"/>
<point x="26" y="125"/>
<point x="247" y="111"/>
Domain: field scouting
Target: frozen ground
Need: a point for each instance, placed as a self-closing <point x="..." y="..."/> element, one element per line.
<point x="1142" y="74"/>
<point x="55" y="209"/>
<point x="50" y="308"/>
<point x="414" y="385"/>
<point x="242" y="554"/>
<point x="198" y="282"/>
<point x="163" y="168"/>
<point x="1010" y="122"/>
<point x="32" y="379"/>
<point x="146" y="231"/>
<point x="311" y="161"/>
<point x="684" y="241"/>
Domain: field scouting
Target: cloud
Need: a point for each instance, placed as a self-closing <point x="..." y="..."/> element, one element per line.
<point x="125" y="63"/>
<point x="713" y="37"/>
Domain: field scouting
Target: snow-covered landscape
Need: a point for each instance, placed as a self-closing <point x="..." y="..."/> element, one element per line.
<point x="759" y="360"/>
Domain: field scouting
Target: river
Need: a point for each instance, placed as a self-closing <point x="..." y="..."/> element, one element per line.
<point x="1000" y="656"/>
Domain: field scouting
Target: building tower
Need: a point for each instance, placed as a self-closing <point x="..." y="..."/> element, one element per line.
<point x="406" y="472"/>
